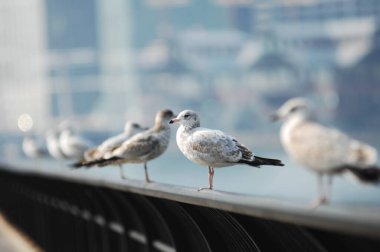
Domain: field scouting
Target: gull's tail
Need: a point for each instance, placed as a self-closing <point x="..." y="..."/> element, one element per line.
<point x="258" y="161"/>
<point x="78" y="164"/>
<point x="98" y="162"/>
<point x="369" y="175"/>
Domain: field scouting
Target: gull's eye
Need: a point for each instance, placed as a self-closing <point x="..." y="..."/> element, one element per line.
<point x="186" y="116"/>
<point x="293" y="109"/>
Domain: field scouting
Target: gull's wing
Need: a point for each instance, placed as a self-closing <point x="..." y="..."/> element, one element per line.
<point x="324" y="148"/>
<point x="112" y="142"/>
<point x="138" y="146"/>
<point x="116" y="141"/>
<point x="216" y="147"/>
<point x="33" y="148"/>
<point x="79" y="143"/>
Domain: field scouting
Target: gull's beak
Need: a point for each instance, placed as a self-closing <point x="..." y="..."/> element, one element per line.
<point x="275" y="117"/>
<point x="174" y="120"/>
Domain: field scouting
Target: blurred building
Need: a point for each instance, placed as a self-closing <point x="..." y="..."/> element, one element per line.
<point x="23" y="82"/>
<point x="73" y="62"/>
<point x="109" y="60"/>
<point x="359" y="92"/>
<point x="317" y="37"/>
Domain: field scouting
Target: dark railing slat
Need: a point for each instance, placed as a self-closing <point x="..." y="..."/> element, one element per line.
<point x="63" y="212"/>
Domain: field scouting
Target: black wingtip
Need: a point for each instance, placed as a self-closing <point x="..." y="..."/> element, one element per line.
<point x="368" y="175"/>
<point x="101" y="162"/>
<point x="269" y="161"/>
<point x="86" y="164"/>
<point x="76" y="165"/>
<point x="258" y="161"/>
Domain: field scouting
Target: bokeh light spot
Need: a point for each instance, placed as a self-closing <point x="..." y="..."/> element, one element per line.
<point x="25" y="122"/>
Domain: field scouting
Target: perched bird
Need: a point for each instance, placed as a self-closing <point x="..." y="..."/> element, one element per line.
<point x="213" y="148"/>
<point x="72" y="145"/>
<point x="104" y="150"/>
<point x="33" y="148"/>
<point x="323" y="150"/>
<point x="52" y="144"/>
<point x="106" y="147"/>
<point x="142" y="147"/>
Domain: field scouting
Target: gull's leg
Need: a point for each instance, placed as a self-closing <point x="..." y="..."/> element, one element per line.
<point x="329" y="189"/>
<point x="122" y="172"/>
<point x="321" y="198"/>
<point x="210" y="178"/>
<point x="146" y="173"/>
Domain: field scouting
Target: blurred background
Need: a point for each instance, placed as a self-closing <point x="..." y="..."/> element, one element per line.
<point x="99" y="63"/>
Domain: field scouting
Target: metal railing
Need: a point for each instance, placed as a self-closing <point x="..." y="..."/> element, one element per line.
<point x="62" y="211"/>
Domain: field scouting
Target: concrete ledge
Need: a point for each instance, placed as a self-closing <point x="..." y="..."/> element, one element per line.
<point x="363" y="221"/>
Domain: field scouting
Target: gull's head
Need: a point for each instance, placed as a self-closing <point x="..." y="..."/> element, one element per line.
<point x="187" y="118"/>
<point x="164" y="116"/>
<point x="132" y="127"/>
<point x="295" y="107"/>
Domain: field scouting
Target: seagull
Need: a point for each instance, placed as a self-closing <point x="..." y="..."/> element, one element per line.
<point x="104" y="149"/>
<point x="213" y="148"/>
<point x="72" y="145"/>
<point x="52" y="144"/>
<point x="33" y="148"/>
<point x="142" y="147"/>
<point x="323" y="150"/>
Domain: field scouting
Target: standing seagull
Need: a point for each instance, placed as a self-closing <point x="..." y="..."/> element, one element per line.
<point x="324" y="150"/>
<point x="106" y="147"/>
<point x="142" y="147"/>
<point x="72" y="145"/>
<point x="33" y="148"/>
<point x="52" y="144"/>
<point x="213" y="148"/>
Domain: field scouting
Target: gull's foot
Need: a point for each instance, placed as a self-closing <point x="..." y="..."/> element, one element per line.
<point x="149" y="181"/>
<point x="123" y="177"/>
<point x="204" y="188"/>
<point x="318" y="202"/>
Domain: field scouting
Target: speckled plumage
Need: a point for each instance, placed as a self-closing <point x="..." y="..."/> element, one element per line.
<point x="140" y="148"/>
<point x="106" y="147"/>
<point x="213" y="148"/>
